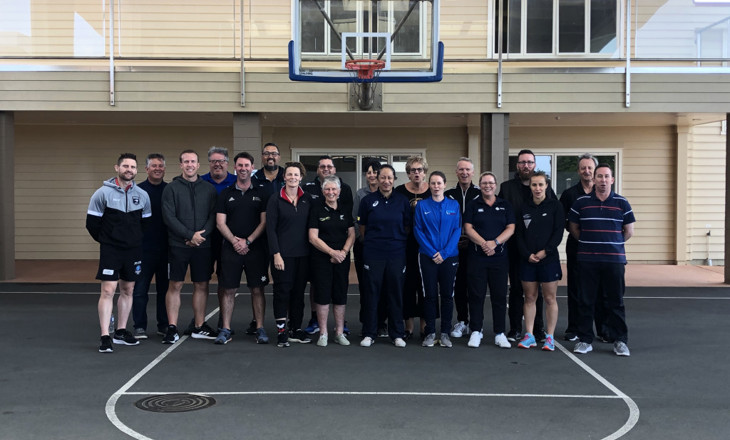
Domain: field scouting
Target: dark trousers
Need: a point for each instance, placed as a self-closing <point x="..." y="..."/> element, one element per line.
<point x="289" y="285"/>
<point x="383" y="304"/>
<point x="602" y="282"/>
<point x="517" y="298"/>
<point x="154" y="264"/>
<point x="438" y="281"/>
<point x="599" y="314"/>
<point x="413" y="285"/>
<point x="377" y="274"/>
<point x="461" y="296"/>
<point x="482" y="275"/>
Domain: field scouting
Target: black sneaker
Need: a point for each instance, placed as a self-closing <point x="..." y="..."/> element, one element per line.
<point x="124" y="337"/>
<point x="407" y="335"/>
<point x="251" y="330"/>
<point x="300" y="336"/>
<point x="514" y="336"/>
<point x="383" y="331"/>
<point x="540" y="335"/>
<point x="282" y="338"/>
<point x="106" y="345"/>
<point x="189" y="330"/>
<point x="572" y="337"/>
<point x="171" y="335"/>
<point x="204" y="332"/>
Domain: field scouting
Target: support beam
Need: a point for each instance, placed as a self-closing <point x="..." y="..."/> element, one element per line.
<point x="247" y="135"/>
<point x="727" y="204"/>
<point x="495" y="144"/>
<point x="681" y="243"/>
<point x="7" y="196"/>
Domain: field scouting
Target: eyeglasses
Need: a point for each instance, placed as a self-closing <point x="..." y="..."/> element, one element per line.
<point x="326" y="167"/>
<point x="269" y="154"/>
<point x="526" y="162"/>
<point x="218" y="162"/>
<point x="489" y="183"/>
<point x="416" y="170"/>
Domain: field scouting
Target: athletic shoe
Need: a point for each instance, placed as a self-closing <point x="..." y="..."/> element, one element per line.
<point x="501" y="341"/>
<point x="322" y="341"/>
<point x="383" y="331"/>
<point x="140" y="333"/>
<point x="313" y="327"/>
<point x="540" y="335"/>
<point x="549" y="344"/>
<point x="603" y="338"/>
<point x="514" y="336"/>
<point x="621" y="349"/>
<point x="204" y="332"/>
<point x="341" y="339"/>
<point x="261" y="337"/>
<point x="106" y="344"/>
<point x="430" y="338"/>
<point x="224" y="337"/>
<point x="406" y="335"/>
<point x="582" y="348"/>
<point x="367" y="341"/>
<point x="300" y="336"/>
<point x="571" y="337"/>
<point x="171" y="335"/>
<point x="399" y="342"/>
<point x="124" y="337"/>
<point x="527" y="341"/>
<point x="475" y="339"/>
<point x="282" y="338"/>
<point x="162" y="331"/>
<point x="444" y="341"/>
<point x="189" y="330"/>
<point x="459" y="330"/>
<point x="251" y="330"/>
<point x="346" y="330"/>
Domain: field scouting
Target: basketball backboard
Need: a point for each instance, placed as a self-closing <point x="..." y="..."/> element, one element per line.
<point x="404" y="34"/>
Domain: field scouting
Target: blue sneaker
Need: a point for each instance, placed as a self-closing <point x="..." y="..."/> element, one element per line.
<point x="527" y="341"/>
<point x="549" y="344"/>
<point x="224" y="337"/>
<point x="346" y="330"/>
<point x="313" y="327"/>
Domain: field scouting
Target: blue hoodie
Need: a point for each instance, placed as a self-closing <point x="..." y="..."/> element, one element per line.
<point x="437" y="227"/>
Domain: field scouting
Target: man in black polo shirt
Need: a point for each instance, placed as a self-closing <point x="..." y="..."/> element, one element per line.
<point x="270" y="177"/>
<point x="241" y="220"/>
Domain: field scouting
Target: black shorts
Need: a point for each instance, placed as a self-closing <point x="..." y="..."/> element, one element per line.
<point x="216" y="241"/>
<point x="254" y="263"/>
<point x="179" y="258"/>
<point x="541" y="273"/>
<point x="118" y="263"/>
<point x="330" y="281"/>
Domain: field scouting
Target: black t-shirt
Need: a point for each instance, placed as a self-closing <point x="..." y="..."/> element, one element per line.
<point x="243" y="209"/>
<point x="332" y="224"/>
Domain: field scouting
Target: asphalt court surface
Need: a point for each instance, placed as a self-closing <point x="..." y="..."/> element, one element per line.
<point x="56" y="385"/>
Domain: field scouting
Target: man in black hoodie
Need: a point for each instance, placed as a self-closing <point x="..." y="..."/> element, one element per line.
<point x="188" y="208"/>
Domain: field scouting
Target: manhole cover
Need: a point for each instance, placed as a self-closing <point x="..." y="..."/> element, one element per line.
<point x="172" y="403"/>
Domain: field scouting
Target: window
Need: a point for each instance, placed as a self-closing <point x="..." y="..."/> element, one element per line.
<point x="319" y="38"/>
<point x="558" y="27"/>
<point x="562" y="167"/>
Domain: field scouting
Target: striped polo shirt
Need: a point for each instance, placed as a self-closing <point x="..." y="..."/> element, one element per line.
<point x="601" y="227"/>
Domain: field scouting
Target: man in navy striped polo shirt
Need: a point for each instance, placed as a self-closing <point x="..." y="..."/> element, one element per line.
<point x="602" y="222"/>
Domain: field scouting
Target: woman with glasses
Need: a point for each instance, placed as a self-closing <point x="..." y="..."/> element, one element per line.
<point x="489" y="223"/>
<point x="415" y="190"/>
<point x="287" y="216"/>
<point x="540" y="226"/>
<point x="437" y="227"/>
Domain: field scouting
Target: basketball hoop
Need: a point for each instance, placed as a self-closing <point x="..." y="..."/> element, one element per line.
<point x="365" y="69"/>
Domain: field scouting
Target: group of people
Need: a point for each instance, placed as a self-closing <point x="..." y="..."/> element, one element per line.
<point x="419" y="249"/>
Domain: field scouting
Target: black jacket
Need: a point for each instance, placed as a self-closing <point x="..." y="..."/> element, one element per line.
<point x="188" y="207"/>
<point x="545" y="230"/>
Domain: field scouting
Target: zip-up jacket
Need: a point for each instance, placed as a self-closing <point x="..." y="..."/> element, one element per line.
<point x="188" y="207"/>
<point x="116" y="215"/>
<point x="540" y="227"/>
<point x="437" y="227"/>
<point x="286" y="224"/>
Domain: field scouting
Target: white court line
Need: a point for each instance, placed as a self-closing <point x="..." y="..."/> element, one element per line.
<point x="369" y="393"/>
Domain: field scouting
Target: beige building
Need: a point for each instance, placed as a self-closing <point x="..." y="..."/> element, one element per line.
<point x="82" y="81"/>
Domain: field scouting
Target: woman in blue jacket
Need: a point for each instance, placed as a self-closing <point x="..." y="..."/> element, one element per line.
<point x="437" y="228"/>
<point x="540" y="227"/>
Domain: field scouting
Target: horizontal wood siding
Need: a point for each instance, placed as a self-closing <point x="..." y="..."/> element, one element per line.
<point x="706" y="194"/>
<point x="58" y="168"/>
<point x="464" y="29"/>
<point x="647" y="177"/>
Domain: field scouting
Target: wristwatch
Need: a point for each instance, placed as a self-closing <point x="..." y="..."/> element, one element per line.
<point x="497" y="242"/>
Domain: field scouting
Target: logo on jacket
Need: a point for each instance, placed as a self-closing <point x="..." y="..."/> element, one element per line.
<point x="135" y="200"/>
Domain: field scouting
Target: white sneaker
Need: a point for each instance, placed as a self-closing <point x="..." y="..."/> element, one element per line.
<point x="322" y="341"/>
<point x="341" y="339"/>
<point x="459" y="330"/>
<point x="475" y="340"/>
<point x="501" y="341"/>
<point x="367" y="341"/>
<point x="399" y="342"/>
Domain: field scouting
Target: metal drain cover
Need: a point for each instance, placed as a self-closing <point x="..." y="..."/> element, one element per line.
<point x="173" y="403"/>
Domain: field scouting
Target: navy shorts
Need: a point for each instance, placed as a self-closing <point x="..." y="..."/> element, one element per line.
<point x="118" y="263"/>
<point x="197" y="258"/>
<point x="541" y="273"/>
<point x="255" y="263"/>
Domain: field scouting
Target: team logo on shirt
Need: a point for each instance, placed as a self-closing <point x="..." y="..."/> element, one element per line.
<point x="137" y="267"/>
<point x="256" y="199"/>
<point x="527" y="219"/>
<point x="324" y="219"/>
<point x="376" y="203"/>
<point x="232" y="199"/>
<point x="499" y="208"/>
<point x="480" y="210"/>
<point x="342" y="217"/>
<point x="450" y="212"/>
<point x="135" y="200"/>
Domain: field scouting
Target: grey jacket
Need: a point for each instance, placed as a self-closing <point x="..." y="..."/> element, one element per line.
<point x="188" y="207"/>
